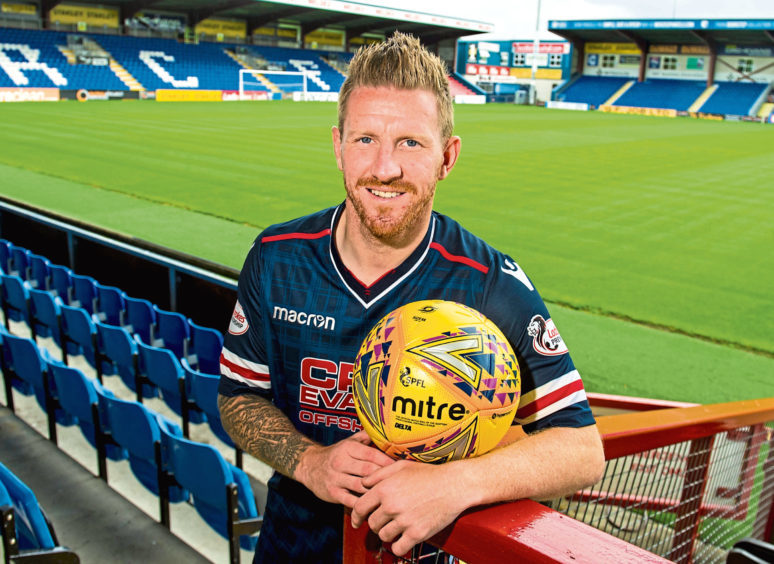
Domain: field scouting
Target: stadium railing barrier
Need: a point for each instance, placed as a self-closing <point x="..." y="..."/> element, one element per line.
<point x="681" y="484"/>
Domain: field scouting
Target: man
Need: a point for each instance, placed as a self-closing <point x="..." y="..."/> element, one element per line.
<point x="311" y="289"/>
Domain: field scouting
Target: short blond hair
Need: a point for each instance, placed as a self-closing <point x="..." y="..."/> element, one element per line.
<point x="402" y="62"/>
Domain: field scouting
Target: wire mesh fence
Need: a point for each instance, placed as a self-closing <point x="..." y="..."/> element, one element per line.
<point x="689" y="501"/>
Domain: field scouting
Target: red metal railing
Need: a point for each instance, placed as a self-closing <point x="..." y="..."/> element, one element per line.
<point x="682" y="483"/>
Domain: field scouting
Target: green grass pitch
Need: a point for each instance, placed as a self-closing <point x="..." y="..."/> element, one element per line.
<point x="650" y="238"/>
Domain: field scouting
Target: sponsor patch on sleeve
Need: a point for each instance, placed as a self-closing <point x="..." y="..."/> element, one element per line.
<point x="238" y="325"/>
<point x="546" y="339"/>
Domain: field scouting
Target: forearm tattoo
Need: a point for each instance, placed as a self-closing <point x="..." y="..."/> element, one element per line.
<point x="263" y="431"/>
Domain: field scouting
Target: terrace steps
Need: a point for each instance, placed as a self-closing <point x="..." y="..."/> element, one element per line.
<point x="618" y="93"/>
<point x="125" y="76"/>
<point x="766" y="110"/>
<point x="699" y="102"/>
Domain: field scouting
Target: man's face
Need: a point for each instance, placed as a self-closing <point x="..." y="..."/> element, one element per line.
<point x="392" y="156"/>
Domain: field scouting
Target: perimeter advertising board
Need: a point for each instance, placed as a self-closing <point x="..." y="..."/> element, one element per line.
<point x="29" y="94"/>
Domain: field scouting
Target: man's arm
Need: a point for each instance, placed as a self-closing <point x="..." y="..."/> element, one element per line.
<point x="409" y="502"/>
<point x="334" y="473"/>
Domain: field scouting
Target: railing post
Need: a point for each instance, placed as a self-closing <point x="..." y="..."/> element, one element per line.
<point x="694" y="485"/>
<point x="768" y="478"/>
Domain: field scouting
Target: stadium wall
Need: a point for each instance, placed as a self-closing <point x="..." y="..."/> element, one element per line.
<point x="199" y="289"/>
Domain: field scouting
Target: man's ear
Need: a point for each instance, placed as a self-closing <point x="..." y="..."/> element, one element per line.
<point x="450" y="154"/>
<point x="336" y="135"/>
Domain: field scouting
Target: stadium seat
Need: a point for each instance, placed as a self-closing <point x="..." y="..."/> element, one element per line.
<point x="45" y="315"/>
<point x="133" y="427"/>
<point x="117" y="354"/>
<point x="110" y="304"/>
<point x="10" y="380"/>
<point x="78" y="395"/>
<point x="5" y="254"/>
<point x="27" y="534"/>
<point x="79" y="335"/>
<point x="40" y="272"/>
<point x="24" y="361"/>
<point x="61" y="283"/>
<point x="172" y="331"/>
<point x="19" y="262"/>
<point x="162" y="368"/>
<point x="15" y="299"/>
<point x="140" y="318"/>
<point x="84" y="292"/>
<point x="202" y="394"/>
<point x="205" y="347"/>
<point x="222" y="494"/>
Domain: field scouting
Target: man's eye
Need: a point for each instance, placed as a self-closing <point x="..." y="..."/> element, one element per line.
<point x="412" y="143"/>
<point x="365" y="140"/>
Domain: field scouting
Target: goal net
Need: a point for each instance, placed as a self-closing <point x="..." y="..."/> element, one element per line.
<point x="263" y="84"/>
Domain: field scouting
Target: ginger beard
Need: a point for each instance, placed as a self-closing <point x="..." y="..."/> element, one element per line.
<point x="386" y="223"/>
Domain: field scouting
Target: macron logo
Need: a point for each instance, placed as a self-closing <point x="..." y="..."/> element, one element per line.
<point x="302" y="318"/>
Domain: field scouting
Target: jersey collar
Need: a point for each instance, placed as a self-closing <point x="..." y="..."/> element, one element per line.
<point x="369" y="295"/>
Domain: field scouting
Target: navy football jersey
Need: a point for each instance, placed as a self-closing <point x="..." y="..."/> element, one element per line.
<point x="301" y="316"/>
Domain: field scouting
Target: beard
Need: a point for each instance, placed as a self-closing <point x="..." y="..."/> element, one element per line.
<point x="383" y="223"/>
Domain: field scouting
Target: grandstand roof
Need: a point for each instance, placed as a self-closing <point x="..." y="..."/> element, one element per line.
<point x="683" y="31"/>
<point x="353" y="17"/>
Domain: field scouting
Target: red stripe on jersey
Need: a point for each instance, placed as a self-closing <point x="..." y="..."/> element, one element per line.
<point x="244" y="372"/>
<point x="531" y="408"/>
<point x="287" y="236"/>
<point x="456" y="258"/>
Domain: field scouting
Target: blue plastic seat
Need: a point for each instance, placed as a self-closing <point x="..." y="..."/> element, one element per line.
<point x="19" y="261"/>
<point x="221" y="492"/>
<point x="110" y="304"/>
<point x="117" y="354"/>
<point x="45" y="315"/>
<point x="133" y="427"/>
<point x="84" y="292"/>
<point x="205" y="347"/>
<point x="61" y="282"/>
<point x="78" y="395"/>
<point x="140" y="318"/>
<point x="79" y="334"/>
<point x="172" y="331"/>
<point x="25" y="362"/>
<point x="5" y="254"/>
<point x="39" y="272"/>
<point x="162" y="368"/>
<point x="202" y="394"/>
<point x="15" y="299"/>
<point x="34" y="537"/>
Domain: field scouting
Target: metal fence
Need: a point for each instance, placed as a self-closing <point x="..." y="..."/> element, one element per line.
<point x="681" y="484"/>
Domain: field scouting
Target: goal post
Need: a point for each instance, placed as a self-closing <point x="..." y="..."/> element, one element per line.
<point x="285" y="82"/>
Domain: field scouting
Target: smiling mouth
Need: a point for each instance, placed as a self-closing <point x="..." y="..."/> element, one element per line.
<point x="386" y="195"/>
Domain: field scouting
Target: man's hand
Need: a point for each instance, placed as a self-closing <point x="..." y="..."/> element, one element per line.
<point x="408" y="502"/>
<point x="336" y="473"/>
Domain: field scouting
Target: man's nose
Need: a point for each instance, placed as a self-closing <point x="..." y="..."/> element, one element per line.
<point x="386" y="166"/>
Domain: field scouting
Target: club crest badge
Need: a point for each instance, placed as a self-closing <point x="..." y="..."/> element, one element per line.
<point x="238" y="325"/>
<point x="546" y="339"/>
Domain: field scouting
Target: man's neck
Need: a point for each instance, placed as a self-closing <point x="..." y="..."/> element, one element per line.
<point x="367" y="257"/>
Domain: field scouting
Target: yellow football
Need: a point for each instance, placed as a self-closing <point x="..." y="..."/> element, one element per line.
<point x="436" y="381"/>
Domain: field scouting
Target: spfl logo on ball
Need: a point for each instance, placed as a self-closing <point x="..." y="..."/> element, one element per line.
<point x="238" y="325"/>
<point x="546" y="339"/>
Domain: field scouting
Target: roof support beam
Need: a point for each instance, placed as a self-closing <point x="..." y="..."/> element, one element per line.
<point x="45" y="7"/>
<point x="769" y="34"/>
<point x="643" y="47"/>
<point x="713" y="49"/>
